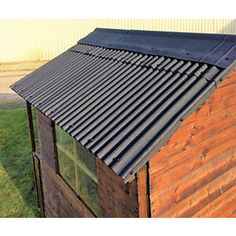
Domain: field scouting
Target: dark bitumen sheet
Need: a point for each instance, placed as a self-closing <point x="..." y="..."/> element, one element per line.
<point x="121" y="105"/>
<point x="215" y="49"/>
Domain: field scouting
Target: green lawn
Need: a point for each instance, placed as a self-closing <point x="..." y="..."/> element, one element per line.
<point x="17" y="191"/>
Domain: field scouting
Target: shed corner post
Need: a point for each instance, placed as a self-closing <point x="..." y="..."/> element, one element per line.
<point x="36" y="161"/>
<point x="144" y="192"/>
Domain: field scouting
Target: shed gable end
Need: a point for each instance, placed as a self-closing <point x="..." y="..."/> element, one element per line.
<point x="194" y="174"/>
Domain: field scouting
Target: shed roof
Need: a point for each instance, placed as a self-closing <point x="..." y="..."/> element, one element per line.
<point x="122" y="93"/>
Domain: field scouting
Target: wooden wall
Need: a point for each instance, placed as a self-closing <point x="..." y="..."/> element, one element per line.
<point x="59" y="198"/>
<point x="194" y="175"/>
<point x="116" y="198"/>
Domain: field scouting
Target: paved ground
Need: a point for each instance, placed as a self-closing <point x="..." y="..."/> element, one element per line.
<point x="9" y="74"/>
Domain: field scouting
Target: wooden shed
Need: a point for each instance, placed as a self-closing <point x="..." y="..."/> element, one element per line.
<point x="136" y="124"/>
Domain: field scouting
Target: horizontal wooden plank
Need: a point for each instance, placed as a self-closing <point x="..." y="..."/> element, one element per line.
<point x="60" y="199"/>
<point x="189" y="206"/>
<point x="195" y="142"/>
<point x="217" y="101"/>
<point x="195" y="133"/>
<point x="210" y="111"/>
<point x="196" y="168"/>
<point x="193" y="181"/>
<point x="200" y="154"/>
<point x="166" y="181"/>
<point x="223" y="206"/>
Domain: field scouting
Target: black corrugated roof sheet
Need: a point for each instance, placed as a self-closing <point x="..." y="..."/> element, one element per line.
<point x="215" y="49"/>
<point x="121" y="105"/>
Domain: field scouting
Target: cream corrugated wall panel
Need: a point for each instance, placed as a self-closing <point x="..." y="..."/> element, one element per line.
<point x="26" y="40"/>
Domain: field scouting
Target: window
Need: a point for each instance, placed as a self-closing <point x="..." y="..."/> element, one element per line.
<point x="78" y="167"/>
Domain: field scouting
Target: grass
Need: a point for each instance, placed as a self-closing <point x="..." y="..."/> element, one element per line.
<point x="17" y="191"/>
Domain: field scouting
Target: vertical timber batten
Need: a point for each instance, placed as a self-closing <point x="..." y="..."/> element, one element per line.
<point x="31" y="127"/>
<point x="36" y="162"/>
<point x="144" y="192"/>
<point x="38" y="179"/>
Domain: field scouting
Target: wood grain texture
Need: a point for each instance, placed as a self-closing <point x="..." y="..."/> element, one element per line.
<point x="59" y="198"/>
<point x="38" y="183"/>
<point x="143" y="193"/>
<point x="193" y="175"/>
<point x="36" y="162"/>
<point x="117" y="199"/>
<point x="47" y="141"/>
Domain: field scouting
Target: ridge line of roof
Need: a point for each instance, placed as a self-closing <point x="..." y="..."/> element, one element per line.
<point x="215" y="49"/>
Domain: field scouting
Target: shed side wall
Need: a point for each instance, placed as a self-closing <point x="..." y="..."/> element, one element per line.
<point x="47" y="141"/>
<point x="194" y="175"/>
<point x="59" y="198"/>
<point x="117" y="199"/>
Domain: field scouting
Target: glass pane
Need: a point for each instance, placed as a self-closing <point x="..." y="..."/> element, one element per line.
<point x="86" y="158"/>
<point x="35" y="127"/>
<point x="87" y="189"/>
<point x="67" y="168"/>
<point x="78" y="167"/>
<point x="64" y="140"/>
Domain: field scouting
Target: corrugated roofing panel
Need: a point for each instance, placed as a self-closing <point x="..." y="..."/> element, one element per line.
<point x="121" y="105"/>
<point x="217" y="49"/>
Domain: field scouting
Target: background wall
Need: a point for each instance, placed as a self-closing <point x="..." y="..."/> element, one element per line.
<point x="30" y="40"/>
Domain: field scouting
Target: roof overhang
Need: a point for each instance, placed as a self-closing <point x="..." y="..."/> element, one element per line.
<point x="123" y="93"/>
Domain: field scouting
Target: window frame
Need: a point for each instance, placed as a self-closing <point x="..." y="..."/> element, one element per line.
<point x="74" y="157"/>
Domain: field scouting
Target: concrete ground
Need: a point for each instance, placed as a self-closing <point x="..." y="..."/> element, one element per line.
<point x="9" y="74"/>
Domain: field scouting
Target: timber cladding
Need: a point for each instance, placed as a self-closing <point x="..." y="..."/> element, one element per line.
<point x="119" y="96"/>
<point x="59" y="199"/>
<point x="47" y="141"/>
<point x="116" y="199"/>
<point x="194" y="175"/>
<point x="143" y="192"/>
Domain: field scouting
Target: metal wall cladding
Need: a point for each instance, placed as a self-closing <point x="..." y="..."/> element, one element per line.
<point x="45" y="39"/>
<point x="122" y="106"/>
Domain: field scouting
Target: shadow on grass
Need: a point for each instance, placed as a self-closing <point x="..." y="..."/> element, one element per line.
<point x="16" y="161"/>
